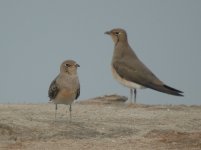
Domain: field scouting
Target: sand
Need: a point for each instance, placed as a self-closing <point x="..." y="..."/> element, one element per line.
<point x="103" y="123"/>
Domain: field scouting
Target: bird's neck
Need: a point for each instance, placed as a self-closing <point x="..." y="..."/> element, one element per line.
<point x="119" y="49"/>
<point x="122" y="49"/>
<point x="67" y="74"/>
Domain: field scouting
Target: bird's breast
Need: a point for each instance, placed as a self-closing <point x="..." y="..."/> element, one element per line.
<point x="65" y="96"/>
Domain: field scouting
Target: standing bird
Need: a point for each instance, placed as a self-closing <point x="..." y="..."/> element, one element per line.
<point x="130" y="71"/>
<point x="65" y="88"/>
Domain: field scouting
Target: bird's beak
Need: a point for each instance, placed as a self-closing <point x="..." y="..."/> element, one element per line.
<point x="107" y="32"/>
<point x="77" y="65"/>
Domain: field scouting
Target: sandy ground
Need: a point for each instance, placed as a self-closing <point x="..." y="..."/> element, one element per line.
<point x="104" y="123"/>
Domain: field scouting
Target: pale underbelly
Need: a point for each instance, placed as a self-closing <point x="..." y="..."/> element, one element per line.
<point x="64" y="97"/>
<point x="124" y="82"/>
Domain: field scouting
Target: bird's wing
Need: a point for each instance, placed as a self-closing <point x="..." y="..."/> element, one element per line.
<point x="137" y="72"/>
<point x="53" y="89"/>
<point x="77" y="92"/>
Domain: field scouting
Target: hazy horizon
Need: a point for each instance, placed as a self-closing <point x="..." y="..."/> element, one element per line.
<point x="37" y="36"/>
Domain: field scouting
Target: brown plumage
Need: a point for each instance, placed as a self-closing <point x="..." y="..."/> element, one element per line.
<point x="65" y="88"/>
<point x="130" y="71"/>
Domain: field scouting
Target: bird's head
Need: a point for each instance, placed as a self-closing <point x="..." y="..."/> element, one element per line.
<point x="69" y="66"/>
<point x="118" y="35"/>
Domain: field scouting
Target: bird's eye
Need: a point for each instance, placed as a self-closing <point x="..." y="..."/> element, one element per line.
<point x="116" y="33"/>
<point x="67" y="65"/>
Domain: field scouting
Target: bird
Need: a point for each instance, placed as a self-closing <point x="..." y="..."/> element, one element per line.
<point x="65" y="88"/>
<point x="130" y="71"/>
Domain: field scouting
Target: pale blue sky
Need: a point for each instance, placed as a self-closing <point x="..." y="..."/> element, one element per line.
<point x="38" y="35"/>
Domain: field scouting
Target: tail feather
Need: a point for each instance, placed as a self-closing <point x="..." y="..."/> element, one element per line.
<point x="173" y="89"/>
<point x="167" y="89"/>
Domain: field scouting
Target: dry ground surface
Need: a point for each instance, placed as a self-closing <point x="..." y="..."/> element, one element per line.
<point x="103" y="123"/>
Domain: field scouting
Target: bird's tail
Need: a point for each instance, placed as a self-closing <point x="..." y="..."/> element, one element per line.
<point x="167" y="89"/>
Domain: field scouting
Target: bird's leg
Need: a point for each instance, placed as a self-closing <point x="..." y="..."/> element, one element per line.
<point x="131" y="95"/>
<point x="135" y="92"/>
<point x="55" y="112"/>
<point x="70" y="109"/>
